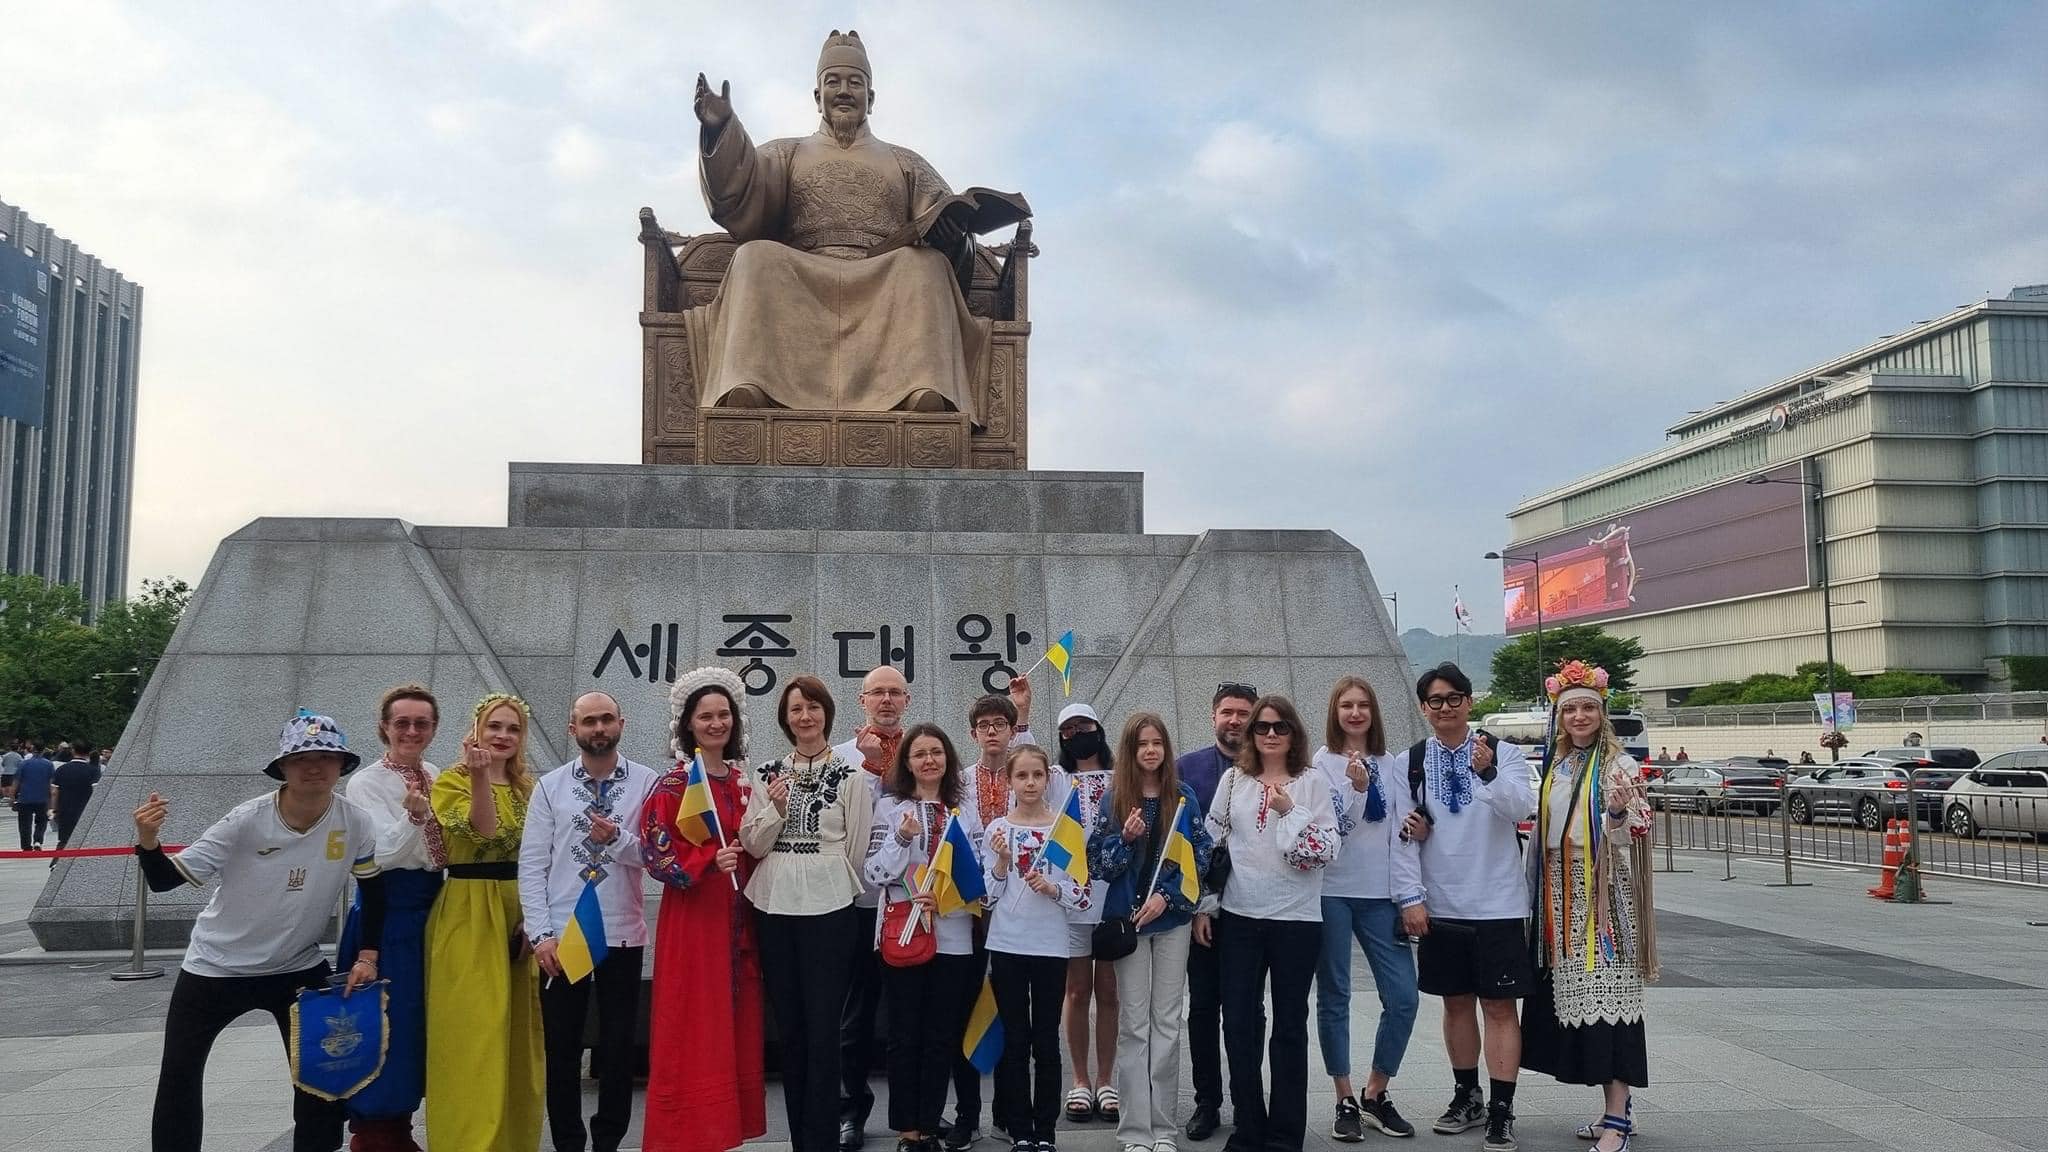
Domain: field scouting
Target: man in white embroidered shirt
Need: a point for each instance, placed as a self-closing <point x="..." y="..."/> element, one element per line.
<point x="1470" y="794"/>
<point x="583" y="824"/>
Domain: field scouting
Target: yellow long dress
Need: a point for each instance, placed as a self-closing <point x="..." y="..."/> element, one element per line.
<point x="485" y="1064"/>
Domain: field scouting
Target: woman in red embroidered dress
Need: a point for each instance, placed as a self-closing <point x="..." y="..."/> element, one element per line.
<point x="704" y="1090"/>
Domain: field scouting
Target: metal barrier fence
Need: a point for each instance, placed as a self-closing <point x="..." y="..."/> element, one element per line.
<point x="1984" y="826"/>
<point x="1924" y="710"/>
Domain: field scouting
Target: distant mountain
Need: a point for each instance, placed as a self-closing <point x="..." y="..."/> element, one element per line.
<point x="1474" y="654"/>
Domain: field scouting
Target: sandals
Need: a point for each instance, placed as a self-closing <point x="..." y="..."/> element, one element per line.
<point x="1080" y="1104"/>
<point x="1108" y="1104"/>
<point x="1623" y="1125"/>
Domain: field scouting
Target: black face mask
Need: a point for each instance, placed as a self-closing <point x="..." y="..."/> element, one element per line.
<point x="1082" y="746"/>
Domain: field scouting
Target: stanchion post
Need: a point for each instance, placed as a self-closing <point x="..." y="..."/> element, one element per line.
<point x="1668" y="866"/>
<point x="1785" y="835"/>
<point x="136" y="969"/>
<point x="1727" y="840"/>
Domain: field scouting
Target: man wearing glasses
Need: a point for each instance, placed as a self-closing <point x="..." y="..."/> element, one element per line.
<point x="1230" y="710"/>
<point x="1471" y="794"/>
<point x="884" y="698"/>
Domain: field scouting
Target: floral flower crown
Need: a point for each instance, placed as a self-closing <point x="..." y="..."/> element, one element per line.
<point x="485" y="705"/>
<point x="1576" y="674"/>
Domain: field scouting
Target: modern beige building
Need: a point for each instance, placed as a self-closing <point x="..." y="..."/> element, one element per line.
<point x="1928" y="454"/>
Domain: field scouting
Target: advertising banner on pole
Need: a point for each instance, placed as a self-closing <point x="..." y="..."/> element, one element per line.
<point x="24" y="329"/>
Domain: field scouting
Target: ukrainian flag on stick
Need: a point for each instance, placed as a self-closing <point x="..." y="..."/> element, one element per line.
<point x="583" y="948"/>
<point x="1061" y="657"/>
<point x="1066" y="847"/>
<point x="697" y="816"/>
<point x="954" y="875"/>
<point x="1180" y="848"/>
<point x="983" y="1043"/>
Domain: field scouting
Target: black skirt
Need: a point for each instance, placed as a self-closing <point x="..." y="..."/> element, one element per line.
<point x="1592" y="1054"/>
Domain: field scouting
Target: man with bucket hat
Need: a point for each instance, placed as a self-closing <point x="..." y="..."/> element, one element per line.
<point x="281" y="862"/>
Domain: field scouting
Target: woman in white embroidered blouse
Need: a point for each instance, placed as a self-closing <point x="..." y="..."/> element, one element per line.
<point x="1280" y="826"/>
<point x="807" y="823"/>
<point x="1583" y="1023"/>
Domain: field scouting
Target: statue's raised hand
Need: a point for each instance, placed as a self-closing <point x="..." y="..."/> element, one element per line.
<point x="713" y="108"/>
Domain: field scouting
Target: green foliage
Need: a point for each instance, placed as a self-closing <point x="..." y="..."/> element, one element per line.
<point x="1811" y="678"/>
<point x="1490" y="703"/>
<point x="1517" y="675"/>
<point x="2029" y="673"/>
<point x="63" y="679"/>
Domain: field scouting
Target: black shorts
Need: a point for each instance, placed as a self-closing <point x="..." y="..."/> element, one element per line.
<point x="1484" y="958"/>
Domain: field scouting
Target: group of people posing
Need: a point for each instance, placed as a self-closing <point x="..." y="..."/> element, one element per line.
<point x="1196" y="887"/>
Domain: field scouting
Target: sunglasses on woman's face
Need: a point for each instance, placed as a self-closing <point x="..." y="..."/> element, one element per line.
<point x="1272" y="728"/>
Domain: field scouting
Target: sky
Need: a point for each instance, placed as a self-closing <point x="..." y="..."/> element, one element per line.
<point x="1380" y="268"/>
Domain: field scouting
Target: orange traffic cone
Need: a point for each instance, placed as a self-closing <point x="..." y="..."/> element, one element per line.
<point x="1894" y="851"/>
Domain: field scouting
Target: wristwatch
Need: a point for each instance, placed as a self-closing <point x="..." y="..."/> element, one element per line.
<point x="535" y="940"/>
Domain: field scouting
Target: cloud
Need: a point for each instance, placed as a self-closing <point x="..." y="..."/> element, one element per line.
<point x="1383" y="269"/>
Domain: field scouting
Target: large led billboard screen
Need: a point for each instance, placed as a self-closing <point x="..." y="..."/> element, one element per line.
<point x="1731" y="540"/>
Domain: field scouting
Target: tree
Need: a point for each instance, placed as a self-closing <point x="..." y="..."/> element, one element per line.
<point x="62" y="679"/>
<point x="1517" y="676"/>
<point x="1891" y="685"/>
<point x="1810" y="679"/>
<point x="2029" y="673"/>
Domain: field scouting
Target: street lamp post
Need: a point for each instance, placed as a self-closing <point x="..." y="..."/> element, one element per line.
<point x="1394" y="598"/>
<point x="1827" y="599"/>
<point x="1537" y="560"/>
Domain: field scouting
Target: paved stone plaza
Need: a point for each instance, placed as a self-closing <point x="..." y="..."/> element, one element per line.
<point x="1811" y="1017"/>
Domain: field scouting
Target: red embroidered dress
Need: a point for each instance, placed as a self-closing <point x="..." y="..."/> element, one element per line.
<point x="704" y="1088"/>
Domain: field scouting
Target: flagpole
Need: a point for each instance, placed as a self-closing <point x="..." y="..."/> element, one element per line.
<point x="1161" y="863"/>
<point x="910" y="924"/>
<point x="717" y="828"/>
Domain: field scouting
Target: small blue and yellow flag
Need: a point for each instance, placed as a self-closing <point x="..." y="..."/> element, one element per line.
<point x="954" y="875"/>
<point x="982" y="1045"/>
<point x="1061" y="657"/>
<point x="697" y="815"/>
<point x="1180" y="848"/>
<point x="1066" y="847"/>
<point x="582" y="947"/>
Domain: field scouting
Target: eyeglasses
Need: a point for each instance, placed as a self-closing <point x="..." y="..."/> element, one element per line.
<point x="1272" y="728"/>
<point x="991" y="725"/>
<point x="887" y="693"/>
<point x="1447" y="700"/>
<point x="1233" y="688"/>
<point x="409" y="724"/>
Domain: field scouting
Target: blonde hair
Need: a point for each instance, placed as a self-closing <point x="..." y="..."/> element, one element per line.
<point x="1605" y="740"/>
<point x="517" y="772"/>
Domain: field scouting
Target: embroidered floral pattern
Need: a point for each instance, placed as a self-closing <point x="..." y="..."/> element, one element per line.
<point x="1450" y="774"/>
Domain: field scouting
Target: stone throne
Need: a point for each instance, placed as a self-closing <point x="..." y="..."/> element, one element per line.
<point x="684" y="272"/>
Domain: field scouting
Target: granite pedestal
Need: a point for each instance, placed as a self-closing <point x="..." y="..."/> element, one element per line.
<point x="620" y="577"/>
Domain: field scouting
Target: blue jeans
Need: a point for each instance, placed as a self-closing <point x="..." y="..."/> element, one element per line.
<point x="1374" y="923"/>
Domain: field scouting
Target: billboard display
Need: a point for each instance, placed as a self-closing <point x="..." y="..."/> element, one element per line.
<point x="1734" y="539"/>
<point x="24" y="311"/>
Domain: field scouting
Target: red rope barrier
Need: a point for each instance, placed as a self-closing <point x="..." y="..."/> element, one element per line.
<point x="73" y="853"/>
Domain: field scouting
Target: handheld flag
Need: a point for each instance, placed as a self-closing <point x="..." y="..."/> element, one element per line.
<point x="1180" y="848"/>
<point x="1066" y="847"/>
<point x="983" y="1043"/>
<point x="697" y="816"/>
<point x="582" y="947"/>
<point x="954" y="875"/>
<point x="1061" y="657"/>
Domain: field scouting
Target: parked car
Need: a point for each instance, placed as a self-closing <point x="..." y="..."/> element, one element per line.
<point x="2007" y="793"/>
<point x="1714" y="787"/>
<point x="1960" y="759"/>
<point x="1869" y="791"/>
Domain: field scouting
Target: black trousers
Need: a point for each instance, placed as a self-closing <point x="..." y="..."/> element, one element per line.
<point x="32" y="818"/>
<point x="927" y="1015"/>
<point x="1030" y="992"/>
<point x="67" y="823"/>
<point x="857" y="1026"/>
<point x="806" y="964"/>
<point x="563" y="1009"/>
<point x="1205" y="1020"/>
<point x="1250" y="952"/>
<point x="201" y="1008"/>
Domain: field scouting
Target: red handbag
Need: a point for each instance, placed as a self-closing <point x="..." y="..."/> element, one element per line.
<point x="923" y="943"/>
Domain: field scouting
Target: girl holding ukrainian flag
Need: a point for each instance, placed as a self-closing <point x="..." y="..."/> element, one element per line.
<point x="921" y="860"/>
<point x="485" y="1063"/>
<point x="704" y="1080"/>
<point x="1594" y="927"/>
<point x="1152" y="846"/>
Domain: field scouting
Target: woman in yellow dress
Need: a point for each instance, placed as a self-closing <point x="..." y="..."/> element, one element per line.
<point x="484" y="1055"/>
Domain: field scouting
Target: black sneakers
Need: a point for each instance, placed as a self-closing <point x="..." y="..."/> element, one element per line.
<point x="1348" y="1127"/>
<point x="959" y="1137"/>
<point x="1381" y="1115"/>
<point x="1500" y="1129"/>
<point x="1467" y="1111"/>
